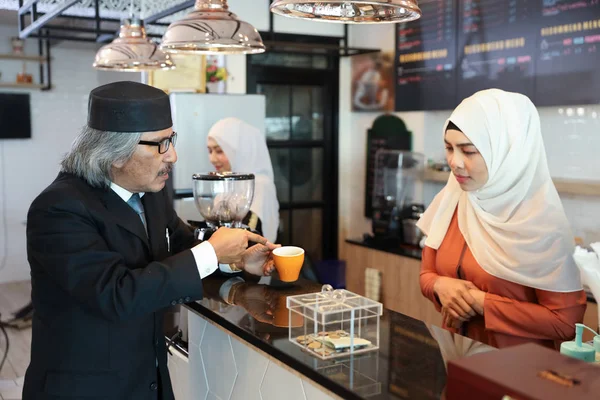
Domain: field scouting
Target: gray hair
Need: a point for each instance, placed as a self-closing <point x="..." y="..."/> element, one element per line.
<point x="93" y="153"/>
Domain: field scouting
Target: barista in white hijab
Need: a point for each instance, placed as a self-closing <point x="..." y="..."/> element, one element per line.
<point x="515" y="224"/>
<point x="246" y="149"/>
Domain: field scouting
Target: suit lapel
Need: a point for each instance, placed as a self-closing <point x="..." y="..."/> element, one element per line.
<point x="124" y="216"/>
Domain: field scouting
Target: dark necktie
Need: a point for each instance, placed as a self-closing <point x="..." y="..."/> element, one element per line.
<point x="136" y="203"/>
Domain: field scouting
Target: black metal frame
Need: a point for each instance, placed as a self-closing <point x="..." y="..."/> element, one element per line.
<point x="329" y="79"/>
<point x="168" y="141"/>
<point x="45" y="68"/>
<point x="41" y="22"/>
<point x="43" y="43"/>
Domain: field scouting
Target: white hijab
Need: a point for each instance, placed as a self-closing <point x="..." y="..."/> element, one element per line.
<point x="246" y="149"/>
<point x="514" y="225"/>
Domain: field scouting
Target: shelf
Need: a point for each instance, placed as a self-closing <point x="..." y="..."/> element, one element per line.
<point x="22" y="57"/>
<point x="21" y="85"/>
<point x="564" y="186"/>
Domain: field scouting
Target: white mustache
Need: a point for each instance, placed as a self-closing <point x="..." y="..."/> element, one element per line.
<point x="165" y="171"/>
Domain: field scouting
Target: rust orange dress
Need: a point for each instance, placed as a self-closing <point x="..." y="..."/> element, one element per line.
<point x="513" y="313"/>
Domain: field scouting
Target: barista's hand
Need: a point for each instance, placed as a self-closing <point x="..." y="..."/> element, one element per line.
<point x="455" y="296"/>
<point x="479" y="297"/>
<point x="258" y="260"/>
<point x="448" y="321"/>
<point x="230" y="244"/>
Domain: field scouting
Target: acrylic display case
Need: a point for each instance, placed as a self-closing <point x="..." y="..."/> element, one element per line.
<point x="334" y="323"/>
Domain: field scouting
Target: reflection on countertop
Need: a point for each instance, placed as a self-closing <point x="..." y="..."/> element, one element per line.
<point x="410" y="363"/>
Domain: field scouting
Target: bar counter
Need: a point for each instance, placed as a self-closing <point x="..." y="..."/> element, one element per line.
<point x="238" y="347"/>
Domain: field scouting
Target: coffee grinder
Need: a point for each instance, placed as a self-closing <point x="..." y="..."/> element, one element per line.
<point x="223" y="199"/>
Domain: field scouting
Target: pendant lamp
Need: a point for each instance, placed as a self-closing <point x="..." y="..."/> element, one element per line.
<point x="212" y="29"/>
<point x="354" y="12"/>
<point x="132" y="51"/>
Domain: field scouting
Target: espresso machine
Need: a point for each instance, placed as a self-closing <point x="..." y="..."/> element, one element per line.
<point x="223" y="199"/>
<point x="394" y="213"/>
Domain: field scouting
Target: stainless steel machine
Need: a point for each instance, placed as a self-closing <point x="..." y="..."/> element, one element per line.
<point x="394" y="212"/>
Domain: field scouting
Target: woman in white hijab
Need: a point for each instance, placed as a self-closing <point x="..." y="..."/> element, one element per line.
<point x="498" y="259"/>
<point x="234" y="145"/>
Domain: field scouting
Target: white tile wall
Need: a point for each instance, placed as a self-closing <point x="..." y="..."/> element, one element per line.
<point x="197" y="373"/>
<point x="571" y="136"/>
<point x="219" y="364"/>
<point x="223" y="367"/>
<point x="312" y="393"/>
<point x="572" y="148"/>
<point x="251" y="367"/>
<point x="572" y="142"/>
<point x="179" y="367"/>
<point x="278" y="383"/>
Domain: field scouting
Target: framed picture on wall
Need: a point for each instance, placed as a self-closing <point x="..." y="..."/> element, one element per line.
<point x="188" y="76"/>
<point x="373" y="82"/>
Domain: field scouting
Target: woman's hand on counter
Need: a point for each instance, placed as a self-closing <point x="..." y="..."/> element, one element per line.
<point x="455" y="296"/>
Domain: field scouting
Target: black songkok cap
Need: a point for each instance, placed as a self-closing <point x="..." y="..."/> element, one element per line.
<point x="129" y="107"/>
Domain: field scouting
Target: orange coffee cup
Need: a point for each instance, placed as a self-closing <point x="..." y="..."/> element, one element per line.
<point x="288" y="262"/>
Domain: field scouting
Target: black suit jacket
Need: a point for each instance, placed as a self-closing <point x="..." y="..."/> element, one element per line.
<point x="99" y="288"/>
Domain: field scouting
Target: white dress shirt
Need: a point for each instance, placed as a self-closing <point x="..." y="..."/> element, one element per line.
<point x="204" y="253"/>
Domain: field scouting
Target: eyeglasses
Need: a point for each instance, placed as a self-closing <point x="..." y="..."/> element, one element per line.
<point x="163" y="145"/>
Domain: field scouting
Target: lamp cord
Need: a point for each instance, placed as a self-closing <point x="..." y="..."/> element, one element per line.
<point x="7" y="346"/>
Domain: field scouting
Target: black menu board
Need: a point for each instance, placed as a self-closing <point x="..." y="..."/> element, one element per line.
<point x="568" y="53"/>
<point x="496" y="44"/>
<point x="545" y="49"/>
<point x="426" y="57"/>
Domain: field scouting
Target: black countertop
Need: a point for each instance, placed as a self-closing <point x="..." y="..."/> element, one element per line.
<point x="410" y="362"/>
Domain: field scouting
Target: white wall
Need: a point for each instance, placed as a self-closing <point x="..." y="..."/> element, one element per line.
<point x="571" y="136"/>
<point x="56" y="118"/>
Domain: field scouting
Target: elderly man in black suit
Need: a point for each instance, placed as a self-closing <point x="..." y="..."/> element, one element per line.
<point x="108" y="254"/>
